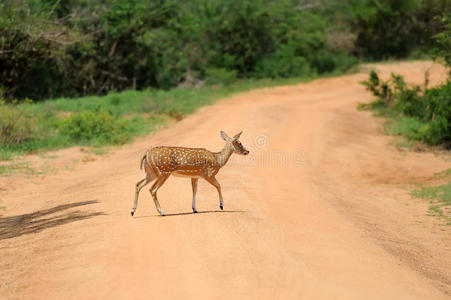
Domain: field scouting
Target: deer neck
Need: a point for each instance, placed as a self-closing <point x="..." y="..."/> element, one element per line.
<point x="225" y="154"/>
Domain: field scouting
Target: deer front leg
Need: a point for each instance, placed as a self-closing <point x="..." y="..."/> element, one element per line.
<point x="216" y="184"/>
<point x="194" y="185"/>
<point x="154" y="189"/>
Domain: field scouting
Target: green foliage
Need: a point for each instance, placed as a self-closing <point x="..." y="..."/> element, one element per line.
<point x="28" y="46"/>
<point x="112" y="119"/>
<point x="438" y="114"/>
<point x="440" y="197"/>
<point x="283" y="64"/>
<point x="373" y="84"/>
<point x="441" y="50"/>
<point x="16" y="125"/>
<point x="70" y="48"/>
<point x="327" y="61"/>
<point x="406" y="126"/>
<point x="386" y="91"/>
<point x="89" y="126"/>
<point x="16" y="167"/>
<point x="219" y="76"/>
<point x="393" y="29"/>
<point x="420" y="115"/>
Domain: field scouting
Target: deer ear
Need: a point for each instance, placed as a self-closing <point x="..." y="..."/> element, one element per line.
<point x="224" y="136"/>
<point x="237" y="136"/>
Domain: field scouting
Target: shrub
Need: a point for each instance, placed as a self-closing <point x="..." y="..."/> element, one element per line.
<point x="95" y="127"/>
<point x="393" y="28"/>
<point x="438" y="102"/>
<point x="407" y="127"/>
<point x="16" y="125"/>
<point x="384" y="90"/>
<point x="323" y="62"/>
<point x="220" y="76"/>
<point x="410" y="102"/>
<point x="441" y="51"/>
<point x="437" y="110"/>
<point x="424" y="116"/>
<point x="283" y="64"/>
<point x="327" y="61"/>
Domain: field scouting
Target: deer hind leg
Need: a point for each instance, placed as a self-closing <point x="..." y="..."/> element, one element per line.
<point x="154" y="189"/>
<point x="216" y="184"/>
<point x="194" y="185"/>
<point x="139" y="185"/>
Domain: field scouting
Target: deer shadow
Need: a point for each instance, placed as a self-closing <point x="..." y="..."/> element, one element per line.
<point x="192" y="213"/>
<point x="15" y="226"/>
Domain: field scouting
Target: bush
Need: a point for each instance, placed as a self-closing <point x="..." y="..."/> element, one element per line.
<point x="410" y="102"/>
<point x="420" y="115"/>
<point x="323" y="62"/>
<point x="441" y="50"/>
<point x="393" y="29"/>
<point x="407" y="127"/>
<point x="16" y="125"/>
<point x="283" y="64"/>
<point x="384" y="90"/>
<point x="437" y="110"/>
<point x="220" y="76"/>
<point x="95" y="127"/>
<point x="432" y="132"/>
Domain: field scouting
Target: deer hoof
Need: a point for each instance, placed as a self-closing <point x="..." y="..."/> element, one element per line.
<point x="195" y="211"/>
<point x="221" y="207"/>
<point x="132" y="212"/>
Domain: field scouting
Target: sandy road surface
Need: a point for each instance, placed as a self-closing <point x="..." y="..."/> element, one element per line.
<point x="318" y="210"/>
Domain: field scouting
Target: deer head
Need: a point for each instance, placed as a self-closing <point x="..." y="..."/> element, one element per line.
<point x="235" y="143"/>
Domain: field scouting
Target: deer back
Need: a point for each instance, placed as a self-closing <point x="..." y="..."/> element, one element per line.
<point x="173" y="159"/>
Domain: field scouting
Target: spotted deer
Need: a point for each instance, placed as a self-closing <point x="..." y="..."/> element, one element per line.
<point x="161" y="162"/>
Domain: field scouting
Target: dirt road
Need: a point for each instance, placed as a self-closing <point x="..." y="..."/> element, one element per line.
<point x="318" y="210"/>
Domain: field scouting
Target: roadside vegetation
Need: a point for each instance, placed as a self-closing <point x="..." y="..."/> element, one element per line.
<point x="112" y="119"/>
<point x="420" y="114"/>
<point x="68" y="48"/>
<point x="100" y="73"/>
<point x="417" y="112"/>
<point x="439" y="196"/>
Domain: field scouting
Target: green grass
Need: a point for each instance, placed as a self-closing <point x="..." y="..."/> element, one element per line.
<point x="444" y="174"/>
<point x="176" y="101"/>
<point x="113" y="119"/>
<point x="5" y="154"/>
<point x="16" y="167"/>
<point x="439" y="196"/>
<point x="100" y="150"/>
<point x="403" y="126"/>
<point x="395" y="124"/>
<point x="378" y="108"/>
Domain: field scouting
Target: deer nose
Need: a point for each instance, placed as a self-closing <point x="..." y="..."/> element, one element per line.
<point x="246" y="152"/>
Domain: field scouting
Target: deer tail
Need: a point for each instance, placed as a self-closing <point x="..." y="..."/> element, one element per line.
<point x="143" y="159"/>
